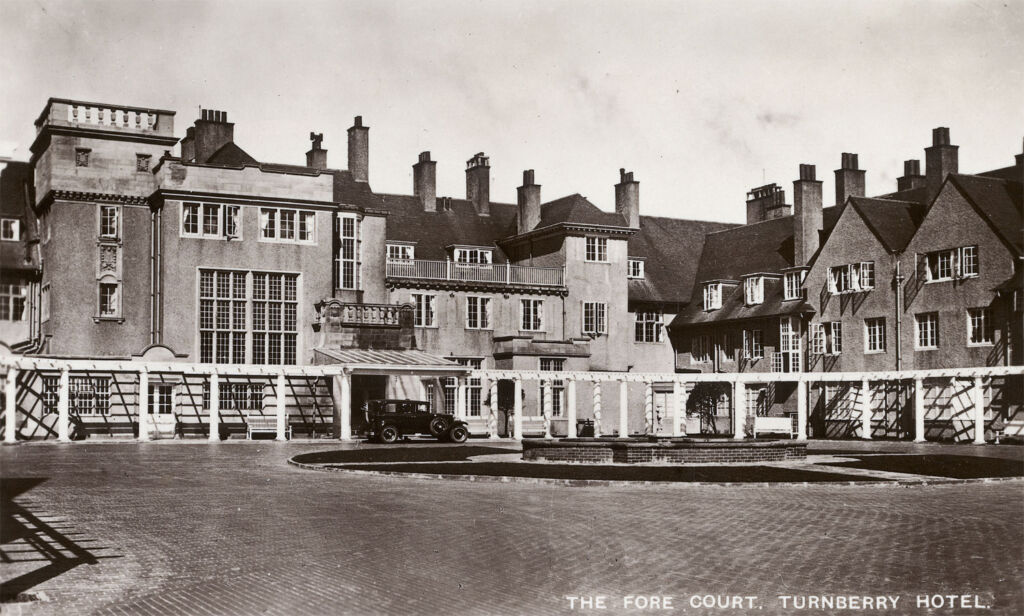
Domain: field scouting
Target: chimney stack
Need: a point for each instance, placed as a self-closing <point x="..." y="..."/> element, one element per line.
<point x="478" y="183"/>
<point x="849" y="179"/>
<point x="912" y="177"/>
<point x="529" y="204"/>
<point x="210" y="133"/>
<point x="767" y="202"/>
<point x="807" y="219"/>
<point x="359" y="150"/>
<point x="316" y="157"/>
<point x="627" y="199"/>
<point x="424" y="182"/>
<point x="940" y="160"/>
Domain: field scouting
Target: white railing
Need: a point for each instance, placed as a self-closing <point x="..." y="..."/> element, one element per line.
<point x="111" y="116"/>
<point x="496" y="273"/>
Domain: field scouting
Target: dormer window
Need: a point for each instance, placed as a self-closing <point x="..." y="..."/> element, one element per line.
<point x="636" y="268"/>
<point x="712" y="295"/>
<point x="792" y="283"/>
<point x="401" y="252"/>
<point x="753" y="290"/>
<point x="480" y="256"/>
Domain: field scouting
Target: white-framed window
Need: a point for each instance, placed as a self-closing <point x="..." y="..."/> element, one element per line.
<point x="700" y="349"/>
<point x="757" y="400"/>
<point x="210" y="220"/>
<point x="792" y="285"/>
<point x="753" y="290"/>
<point x="597" y="249"/>
<point x="712" y="295"/>
<point x="44" y="303"/>
<point x="635" y="268"/>
<point x="287" y="225"/>
<point x="595" y="318"/>
<point x="232" y="221"/>
<point x="51" y="393"/>
<point x="753" y="344"/>
<point x="835" y="331"/>
<point x="650" y="327"/>
<point x="557" y="386"/>
<point x="787" y="358"/>
<point x="874" y="335"/>
<point x="476" y="256"/>
<point x="979" y="327"/>
<point x="88" y="395"/>
<point x="109" y="299"/>
<point x="346" y="261"/>
<point x="424" y="313"/>
<point x="109" y="225"/>
<point x="865" y="275"/>
<point x="852" y="277"/>
<point x="401" y="252"/>
<point x="451" y="392"/>
<point x="927" y="327"/>
<point x="275" y="328"/>
<point x="13" y="296"/>
<point x="222" y="316"/>
<point x="10" y="229"/>
<point x="478" y="312"/>
<point x="954" y="263"/>
<point x="531" y="315"/>
<point x="161" y="399"/>
<point x="826" y="338"/>
<point x="474" y="389"/>
<point x="235" y="396"/>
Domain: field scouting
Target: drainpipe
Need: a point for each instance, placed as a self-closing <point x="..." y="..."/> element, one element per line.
<point x="160" y="274"/>
<point x="152" y="276"/>
<point x="898" y="288"/>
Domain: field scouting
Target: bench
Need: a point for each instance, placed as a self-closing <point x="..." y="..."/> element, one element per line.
<point x="780" y="425"/>
<point x="262" y="423"/>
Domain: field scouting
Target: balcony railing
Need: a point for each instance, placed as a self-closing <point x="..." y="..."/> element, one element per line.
<point x="494" y="273"/>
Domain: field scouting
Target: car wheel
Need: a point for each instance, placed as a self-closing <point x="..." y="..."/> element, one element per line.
<point x="438" y="427"/>
<point x="458" y="434"/>
<point x="388" y="434"/>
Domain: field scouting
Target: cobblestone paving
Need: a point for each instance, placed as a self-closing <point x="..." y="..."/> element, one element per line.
<point x="231" y="528"/>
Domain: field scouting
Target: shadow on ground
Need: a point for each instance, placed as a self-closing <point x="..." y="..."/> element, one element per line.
<point x="953" y="467"/>
<point x="399" y="454"/>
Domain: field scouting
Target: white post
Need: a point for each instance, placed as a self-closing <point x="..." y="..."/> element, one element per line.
<point x="865" y="410"/>
<point x="214" y="407"/>
<point x="508" y="272"/>
<point x="423" y="392"/>
<point x="801" y="410"/>
<point x="493" y="421"/>
<point x="650" y="426"/>
<point x="282" y="418"/>
<point x="597" y="408"/>
<point x="460" y="398"/>
<point x="143" y="405"/>
<point x="63" y="400"/>
<point x="679" y="398"/>
<point x="548" y="393"/>
<point x="739" y="409"/>
<point x="979" y="411"/>
<point x="517" y="417"/>
<point x="623" y="409"/>
<point x="345" y="416"/>
<point x="919" y="411"/>
<point x="570" y="402"/>
<point x="11" y="406"/>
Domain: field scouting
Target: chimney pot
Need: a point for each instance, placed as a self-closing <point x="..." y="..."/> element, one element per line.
<point x="807" y="172"/>
<point x="940" y="160"/>
<point x="849" y="161"/>
<point x="940" y="136"/>
<point x="766" y="202"/>
<point x="849" y="179"/>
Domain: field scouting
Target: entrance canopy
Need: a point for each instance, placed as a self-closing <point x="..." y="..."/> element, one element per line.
<point x="396" y="362"/>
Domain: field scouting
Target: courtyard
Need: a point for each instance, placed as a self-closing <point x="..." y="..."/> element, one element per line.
<point x="179" y="527"/>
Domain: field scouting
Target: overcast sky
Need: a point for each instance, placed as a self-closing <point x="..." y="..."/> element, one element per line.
<point x="703" y="100"/>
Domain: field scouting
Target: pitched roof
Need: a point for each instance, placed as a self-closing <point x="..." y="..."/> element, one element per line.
<point x="230" y="154"/>
<point x="999" y="203"/>
<point x="892" y="222"/>
<point x="1006" y="173"/>
<point x="734" y="307"/>
<point x="577" y="209"/>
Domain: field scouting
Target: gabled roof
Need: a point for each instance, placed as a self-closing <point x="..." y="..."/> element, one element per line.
<point x="734" y="306"/>
<point x="231" y="154"/>
<point x="998" y="202"/>
<point x="1006" y="173"/>
<point x="892" y="222"/>
<point x="577" y="209"/>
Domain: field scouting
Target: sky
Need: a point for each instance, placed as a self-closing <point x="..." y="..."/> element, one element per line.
<point x="702" y="100"/>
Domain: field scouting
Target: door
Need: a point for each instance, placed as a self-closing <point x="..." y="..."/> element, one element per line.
<point x="161" y="411"/>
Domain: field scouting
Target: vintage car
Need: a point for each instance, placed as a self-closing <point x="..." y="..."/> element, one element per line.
<point x="388" y="420"/>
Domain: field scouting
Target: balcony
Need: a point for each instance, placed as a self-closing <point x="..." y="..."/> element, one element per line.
<point x="475" y="274"/>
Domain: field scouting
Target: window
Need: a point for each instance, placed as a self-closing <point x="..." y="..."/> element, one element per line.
<point x="10" y="229"/>
<point x="142" y="162"/>
<point x="836" y="336"/>
<point x="969" y="261"/>
<point x="232" y="221"/>
<point x="712" y="296"/>
<point x="190" y="219"/>
<point x="268" y="223"/>
<point x="946" y="265"/>
<point x="478" y="312"/>
<point x="12" y="301"/>
<point x="753" y="290"/>
<point x="867" y="275"/>
<point x="851" y="278"/>
<point x="424" y="314"/>
<point x="979" y="327"/>
<point x="874" y="335"/>
<point x="597" y="249"/>
<point x="235" y="396"/>
<point x="753" y="344"/>
<point x="727" y="348"/>
<point x="346" y="260"/>
<point x="108" y="221"/>
<point x="927" y="325"/>
<point x="531" y="315"/>
<point x="649" y="327"/>
<point x="480" y="256"/>
<point x="286" y="230"/>
<point x="82" y="157"/>
<point x="51" y="393"/>
<point x="109" y="300"/>
<point x="88" y="395"/>
<point x="285" y="225"/>
<point x="787" y="358"/>
<point x="757" y="400"/>
<point x="792" y="282"/>
<point x="700" y="349"/>
<point x="826" y="338"/>
<point x="636" y="269"/>
<point x="556" y="386"/>
<point x="210" y="220"/>
<point x="307" y="226"/>
<point x="222" y="317"/>
<point x="275" y="328"/>
<point x="161" y="400"/>
<point x="474" y="388"/>
<point x="401" y="252"/>
<point x="44" y="303"/>
<point x="595" y="318"/>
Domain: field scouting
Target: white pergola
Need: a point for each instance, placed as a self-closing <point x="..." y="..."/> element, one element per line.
<point x="679" y="382"/>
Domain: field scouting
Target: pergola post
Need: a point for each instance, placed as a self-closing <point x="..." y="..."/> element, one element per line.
<point x="460" y="398"/>
<point x="279" y="394"/>
<point x="63" y="411"/>
<point x="547" y="387"/>
<point x="214" y="407"/>
<point x="865" y="410"/>
<point x="919" y="411"/>
<point x="650" y="425"/>
<point x="679" y="399"/>
<point x="11" y="405"/>
<point x="517" y="417"/>
<point x="597" y="408"/>
<point x="143" y="405"/>
<point x="492" y="422"/>
<point x="739" y="409"/>
<point x="801" y="410"/>
<point x="570" y="403"/>
<point x="979" y="411"/>
<point x="345" y="416"/>
<point x="623" y="409"/>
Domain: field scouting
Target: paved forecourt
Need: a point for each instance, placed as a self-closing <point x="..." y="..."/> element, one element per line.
<point x="231" y="528"/>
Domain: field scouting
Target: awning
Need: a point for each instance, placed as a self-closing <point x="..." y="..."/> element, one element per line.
<point x="368" y="361"/>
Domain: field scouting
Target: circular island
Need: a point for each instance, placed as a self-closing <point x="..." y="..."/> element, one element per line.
<point x="654" y="450"/>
